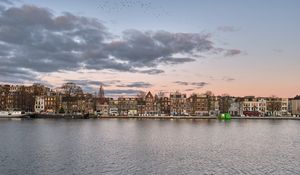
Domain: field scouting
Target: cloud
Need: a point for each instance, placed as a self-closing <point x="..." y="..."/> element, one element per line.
<point x="227" y="29"/>
<point x="6" y="2"/>
<point x="177" y="60"/>
<point x="84" y="82"/>
<point x="232" y="52"/>
<point x="152" y="71"/>
<point x="136" y="85"/>
<point x="117" y="83"/>
<point x="34" y="39"/>
<point x="120" y="92"/>
<point x="189" y="90"/>
<point x="199" y="84"/>
<point x="16" y="75"/>
<point x="228" y="79"/>
<point x="183" y="83"/>
<point x="195" y="84"/>
<point x="94" y="83"/>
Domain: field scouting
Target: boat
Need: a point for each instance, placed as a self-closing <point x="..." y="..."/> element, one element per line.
<point x="224" y="116"/>
<point x="11" y="114"/>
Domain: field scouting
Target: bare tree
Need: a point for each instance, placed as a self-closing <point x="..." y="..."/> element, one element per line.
<point x="239" y="102"/>
<point x="274" y="104"/>
<point x="210" y="100"/>
<point x="141" y="94"/>
<point x="224" y="103"/>
<point x="161" y="94"/>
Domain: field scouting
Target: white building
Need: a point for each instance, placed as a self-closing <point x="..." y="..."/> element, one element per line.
<point x="255" y="106"/>
<point x="39" y="105"/>
<point x="296" y="106"/>
<point x="284" y="106"/>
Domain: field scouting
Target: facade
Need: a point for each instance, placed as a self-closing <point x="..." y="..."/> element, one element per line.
<point x="290" y="104"/>
<point x="165" y="105"/>
<point x="178" y="103"/>
<point x="39" y="105"/>
<point x="236" y="107"/>
<point x="51" y="104"/>
<point x="275" y="106"/>
<point x="141" y="106"/>
<point x="4" y="90"/>
<point x="70" y="99"/>
<point x="296" y="106"/>
<point x="284" y="107"/>
<point x="254" y="106"/>
<point x="113" y="107"/>
<point x="102" y="106"/>
<point x="199" y="104"/>
<point x="19" y="99"/>
<point x="127" y="106"/>
<point x="150" y="104"/>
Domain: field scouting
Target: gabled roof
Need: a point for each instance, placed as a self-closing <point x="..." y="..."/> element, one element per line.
<point x="149" y="95"/>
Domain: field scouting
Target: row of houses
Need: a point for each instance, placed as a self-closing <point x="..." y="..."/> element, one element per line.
<point x="69" y="98"/>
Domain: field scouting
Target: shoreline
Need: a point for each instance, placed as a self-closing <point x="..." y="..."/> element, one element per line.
<point x="201" y="118"/>
<point x="69" y="116"/>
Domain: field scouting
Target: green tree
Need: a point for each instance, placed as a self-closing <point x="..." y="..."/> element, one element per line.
<point x="61" y="110"/>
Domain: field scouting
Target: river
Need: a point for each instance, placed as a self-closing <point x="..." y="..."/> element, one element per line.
<point x="148" y="146"/>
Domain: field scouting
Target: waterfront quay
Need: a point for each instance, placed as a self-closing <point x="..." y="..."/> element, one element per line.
<point x="69" y="101"/>
<point x="73" y="116"/>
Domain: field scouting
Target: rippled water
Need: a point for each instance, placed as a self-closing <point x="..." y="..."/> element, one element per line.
<point x="112" y="146"/>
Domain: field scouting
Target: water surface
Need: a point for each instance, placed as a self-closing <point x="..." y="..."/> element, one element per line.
<point x="120" y="146"/>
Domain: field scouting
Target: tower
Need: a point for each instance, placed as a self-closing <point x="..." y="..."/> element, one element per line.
<point x="101" y="92"/>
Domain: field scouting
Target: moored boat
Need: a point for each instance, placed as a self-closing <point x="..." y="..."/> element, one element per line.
<point x="11" y="114"/>
<point x="224" y="116"/>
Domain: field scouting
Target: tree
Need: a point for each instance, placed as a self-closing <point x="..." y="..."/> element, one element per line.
<point x="161" y="94"/>
<point x="239" y="102"/>
<point x="141" y="94"/>
<point x="274" y="104"/>
<point x="224" y="103"/>
<point x="61" y="110"/>
<point x="210" y="101"/>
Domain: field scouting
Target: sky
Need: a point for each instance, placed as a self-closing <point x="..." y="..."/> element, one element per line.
<point x="230" y="47"/>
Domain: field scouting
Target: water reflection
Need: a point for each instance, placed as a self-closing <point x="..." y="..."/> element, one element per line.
<point x="120" y="146"/>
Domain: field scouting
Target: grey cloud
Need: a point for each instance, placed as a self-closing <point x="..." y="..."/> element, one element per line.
<point x="149" y="49"/>
<point x="16" y="75"/>
<point x="152" y="71"/>
<point x="119" y="92"/>
<point x="232" y="52"/>
<point x="170" y="60"/>
<point x="94" y="83"/>
<point x="35" y="39"/>
<point x="188" y="90"/>
<point x="117" y="83"/>
<point x="84" y="82"/>
<point x="228" y="79"/>
<point x="196" y="84"/>
<point x="183" y="83"/>
<point x="38" y="41"/>
<point x="6" y="2"/>
<point x="136" y="85"/>
<point x="199" y="84"/>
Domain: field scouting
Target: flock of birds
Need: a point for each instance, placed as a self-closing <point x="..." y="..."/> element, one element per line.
<point x="145" y="6"/>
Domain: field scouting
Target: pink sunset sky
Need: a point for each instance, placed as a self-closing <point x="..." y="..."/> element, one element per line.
<point x="237" y="48"/>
